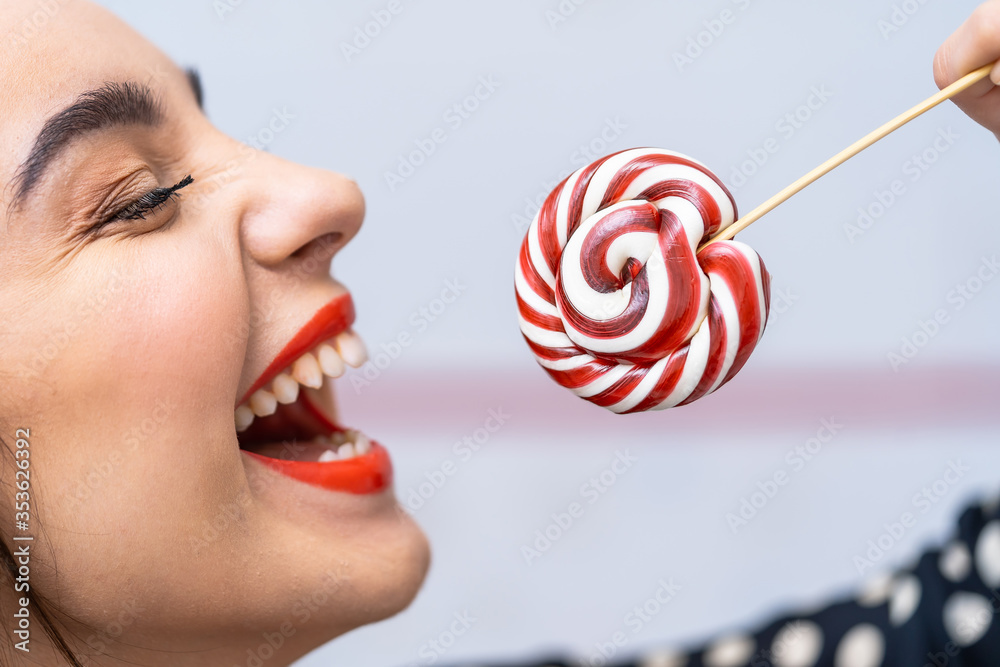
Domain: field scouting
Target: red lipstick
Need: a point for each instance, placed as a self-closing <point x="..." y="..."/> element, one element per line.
<point x="361" y="475"/>
<point x="301" y="441"/>
<point x="330" y="320"/>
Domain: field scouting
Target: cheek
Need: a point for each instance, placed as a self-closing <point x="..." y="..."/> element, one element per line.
<point x="133" y="413"/>
<point x="175" y="328"/>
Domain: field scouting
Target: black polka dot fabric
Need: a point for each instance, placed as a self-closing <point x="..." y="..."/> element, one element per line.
<point x="941" y="613"/>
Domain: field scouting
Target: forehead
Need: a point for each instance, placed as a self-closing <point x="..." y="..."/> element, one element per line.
<point x="53" y="51"/>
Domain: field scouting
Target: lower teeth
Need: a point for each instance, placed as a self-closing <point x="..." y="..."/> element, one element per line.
<point x="343" y="445"/>
<point x="339" y="446"/>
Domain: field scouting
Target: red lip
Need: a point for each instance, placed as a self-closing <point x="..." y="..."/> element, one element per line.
<point x="361" y="475"/>
<point x="330" y="320"/>
<point x="366" y="474"/>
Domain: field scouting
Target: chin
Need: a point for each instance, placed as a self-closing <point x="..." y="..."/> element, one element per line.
<point x="380" y="584"/>
<point x="343" y="552"/>
<point x="402" y="570"/>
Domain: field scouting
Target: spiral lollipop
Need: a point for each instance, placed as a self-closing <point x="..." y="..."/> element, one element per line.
<point x="615" y="299"/>
<point x="630" y="292"/>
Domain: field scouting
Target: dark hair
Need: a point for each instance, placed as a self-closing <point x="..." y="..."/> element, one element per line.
<point x="41" y="608"/>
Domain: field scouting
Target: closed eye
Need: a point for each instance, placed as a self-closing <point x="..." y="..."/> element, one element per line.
<point x="146" y="204"/>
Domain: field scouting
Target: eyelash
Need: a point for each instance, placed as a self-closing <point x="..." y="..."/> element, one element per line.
<point x="148" y="203"/>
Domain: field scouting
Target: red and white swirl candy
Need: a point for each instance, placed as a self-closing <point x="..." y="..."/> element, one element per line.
<point x="614" y="298"/>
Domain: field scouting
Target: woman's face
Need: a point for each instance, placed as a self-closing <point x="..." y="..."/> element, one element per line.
<point x="136" y="319"/>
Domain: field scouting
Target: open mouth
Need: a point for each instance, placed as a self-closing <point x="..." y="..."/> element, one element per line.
<point x="286" y="420"/>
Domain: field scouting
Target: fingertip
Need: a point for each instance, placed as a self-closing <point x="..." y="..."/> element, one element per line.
<point x="995" y="74"/>
<point x="942" y="73"/>
<point x="974" y="44"/>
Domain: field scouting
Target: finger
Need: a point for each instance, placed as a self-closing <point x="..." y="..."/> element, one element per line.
<point x="974" y="44"/>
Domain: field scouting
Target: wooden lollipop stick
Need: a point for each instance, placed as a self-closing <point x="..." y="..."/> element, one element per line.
<point x="849" y="152"/>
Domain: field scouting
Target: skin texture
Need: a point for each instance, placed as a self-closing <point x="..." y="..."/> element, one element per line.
<point x="974" y="44"/>
<point x="125" y="352"/>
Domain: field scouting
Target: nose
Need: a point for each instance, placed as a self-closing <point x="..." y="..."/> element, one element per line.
<point x="294" y="214"/>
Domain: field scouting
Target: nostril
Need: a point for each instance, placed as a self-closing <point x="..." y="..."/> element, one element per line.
<point x="321" y="248"/>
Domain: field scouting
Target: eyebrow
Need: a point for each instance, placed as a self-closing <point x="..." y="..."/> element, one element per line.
<point x="113" y="104"/>
<point x="194" y="80"/>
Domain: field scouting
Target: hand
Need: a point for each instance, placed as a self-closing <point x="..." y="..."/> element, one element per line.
<point x="974" y="44"/>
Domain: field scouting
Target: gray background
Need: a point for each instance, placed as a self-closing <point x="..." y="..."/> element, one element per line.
<point x="558" y="86"/>
<point x="851" y="303"/>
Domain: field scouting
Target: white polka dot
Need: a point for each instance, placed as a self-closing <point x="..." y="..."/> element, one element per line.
<point x="876" y="591"/>
<point x="988" y="554"/>
<point x="863" y="646"/>
<point x="967" y="617"/>
<point x="905" y="599"/>
<point x="955" y="562"/>
<point x="798" y="644"/>
<point x="730" y="652"/>
<point x="664" y="659"/>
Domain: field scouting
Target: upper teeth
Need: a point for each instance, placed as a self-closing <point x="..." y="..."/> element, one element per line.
<point x="263" y="403"/>
<point x="285" y="389"/>
<point x="306" y="371"/>
<point x="330" y="362"/>
<point x="351" y="349"/>
<point x="244" y="417"/>
<point x="346" y="347"/>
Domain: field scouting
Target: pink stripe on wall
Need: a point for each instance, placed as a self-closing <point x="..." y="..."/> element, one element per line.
<point x="761" y="400"/>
